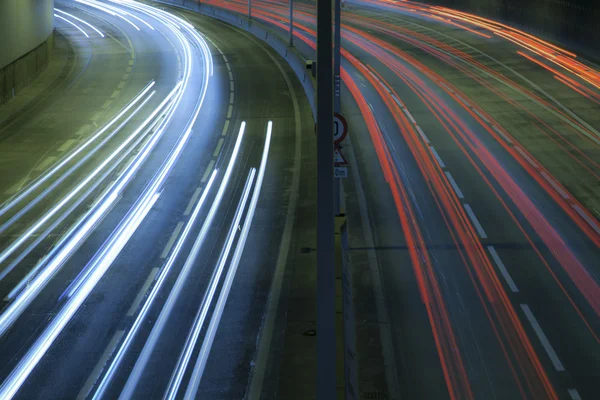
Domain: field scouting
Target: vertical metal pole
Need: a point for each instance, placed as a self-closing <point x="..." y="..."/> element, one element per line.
<point x="326" y="349"/>
<point x="337" y="89"/>
<point x="291" y="22"/>
<point x="249" y="9"/>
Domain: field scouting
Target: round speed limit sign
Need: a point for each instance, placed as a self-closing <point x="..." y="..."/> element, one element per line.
<point x="340" y="128"/>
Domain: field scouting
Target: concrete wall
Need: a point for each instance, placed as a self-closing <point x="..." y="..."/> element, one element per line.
<point x="574" y="22"/>
<point x="25" y="42"/>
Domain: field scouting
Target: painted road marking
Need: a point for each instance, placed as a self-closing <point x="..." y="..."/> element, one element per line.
<point x="574" y="394"/>
<point x="225" y="128"/>
<point x="437" y="157"/>
<point x="230" y="74"/>
<point x="475" y="221"/>
<point x="525" y="156"/>
<point x="229" y="111"/>
<point x="171" y="241"/>
<point x="16" y="187"/>
<point x="454" y="185"/>
<point x="425" y="138"/>
<point x="189" y="207"/>
<point x="555" y="185"/>
<point x="65" y="146"/>
<point x="45" y="164"/>
<point x="130" y="62"/>
<point x="96" y="116"/>
<point x="587" y="218"/>
<point x="100" y="366"/>
<point x="397" y="100"/>
<point x="208" y="171"/>
<point x="125" y="77"/>
<point x="503" y="270"/>
<point x="225" y="58"/>
<point x="142" y="293"/>
<point x="409" y="115"/>
<point x="540" y="334"/>
<point x="106" y="104"/>
<point x="82" y="130"/>
<point x="481" y="116"/>
<point x="231" y="97"/>
<point x="121" y="85"/>
<point x="218" y="148"/>
<point x="115" y="94"/>
<point x="129" y="69"/>
<point x="499" y="132"/>
<point x="231" y="85"/>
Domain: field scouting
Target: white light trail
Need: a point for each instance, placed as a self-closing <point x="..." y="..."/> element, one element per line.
<point x="107" y="10"/>
<point x="72" y="23"/>
<point x="190" y="344"/>
<point x="196" y="377"/>
<point x="80" y="20"/>
<point x="160" y="323"/>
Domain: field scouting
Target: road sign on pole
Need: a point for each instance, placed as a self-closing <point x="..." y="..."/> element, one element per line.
<point x="340" y="128"/>
<point x="338" y="157"/>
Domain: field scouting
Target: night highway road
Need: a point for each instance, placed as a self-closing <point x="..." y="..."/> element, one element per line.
<point x="149" y="177"/>
<point x="473" y="203"/>
<point x="146" y="177"/>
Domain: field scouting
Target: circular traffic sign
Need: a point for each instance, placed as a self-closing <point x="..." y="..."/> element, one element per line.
<point x="340" y="128"/>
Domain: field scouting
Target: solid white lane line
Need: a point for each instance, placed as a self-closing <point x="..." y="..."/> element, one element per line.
<point x="590" y="222"/>
<point x="454" y="185"/>
<point x="540" y="334"/>
<point x="100" y="365"/>
<point x="218" y="148"/>
<point x="574" y="394"/>
<point x="525" y="156"/>
<point x="169" y="245"/>
<point x="225" y="128"/>
<point x="503" y="270"/>
<point x="189" y="207"/>
<point x="437" y="157"/>
<point x="142" y="292"/>
<point x="555" y="185"/>
<point x="65" y="146"/>
<point x="475" y="221"/>
<point x="208" y="171"/>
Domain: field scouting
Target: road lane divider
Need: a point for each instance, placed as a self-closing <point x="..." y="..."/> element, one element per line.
<point x="542" y="337"/>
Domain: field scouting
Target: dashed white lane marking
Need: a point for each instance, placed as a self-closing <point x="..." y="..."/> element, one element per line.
<point x="16" y="187"/>
<point x="454" y="185"/>
<point x="409" y="115"/>
<point x="555" y="185"/>
<point x="208" y="171"/>
<point x="171" y="241"/>
<point x="574" y="394"/>
<point x="121" y="85"/>
<point x="437" y="157"/>
<point x="82" y="130"/>
<point x="45" y="164"/>
<point x="229" y="111"/>
<point x="503" y="270"/>
<point x="225" y="128"/>
<point x="425" y="138"/>
<point x="218" y="148"/>
<point x="481" y="116"/>
<point x="229" y="69"/>
<point x="125" y="77"/>
<point x="461" y="99"/>
<point x="231" y="85"/>
<point x="65" y="146"/>
<point x="224" y="58"/>
<point x="231" y="97"/>
<point x="131" y="62"/>
<point x="129" y="69"/>
<point x="96" y="116"/>
<point x="190" y="205"/>
<point x="475" y="221"/>
<point x="397" y="100"/>
<point x="542" y="336"/>
<point x="106" y="104"/>
<point x="142" y="292"/>
<point x="115" y="94"/>
<point x="525" y="156"/>
<point x="100" y="366"/>
<point x="499" y="132"/>
<point x="583" y="215"/>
